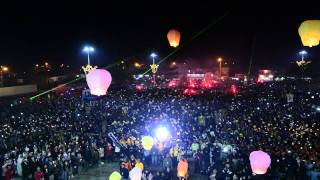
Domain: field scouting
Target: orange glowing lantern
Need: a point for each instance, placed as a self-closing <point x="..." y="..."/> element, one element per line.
<point x="174" y="38"/>
<point x="182" y="170"/>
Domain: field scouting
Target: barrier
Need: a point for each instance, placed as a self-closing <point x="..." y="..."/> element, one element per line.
<point x="18" y="90"/>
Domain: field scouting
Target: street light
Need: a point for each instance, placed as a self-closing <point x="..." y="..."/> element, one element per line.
<point x="153" y="55"/>
<point x="154" y="66"/>
<point x="88" y="50"/>
<point x="2" y="70"/>
<point x="220" y="65"/>
<point x="302" y="53"/>
<point x="137" y="65"/>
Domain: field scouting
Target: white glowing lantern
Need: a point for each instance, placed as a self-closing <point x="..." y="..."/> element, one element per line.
<point x="98" y="81"/>
<point x="259" y="161"/>
<point x="135" y="174"/>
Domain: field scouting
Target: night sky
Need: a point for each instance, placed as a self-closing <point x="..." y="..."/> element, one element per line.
<point x="32" y="33"/>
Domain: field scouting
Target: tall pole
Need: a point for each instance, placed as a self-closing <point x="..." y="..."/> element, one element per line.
<point x="1" y="76"/>
<point x="154" y="74"/>
<point x="89" y="57"/>
<point x="220" y="67"/>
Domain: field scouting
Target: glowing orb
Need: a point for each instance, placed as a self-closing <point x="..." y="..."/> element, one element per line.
<point x="162" y="134"/>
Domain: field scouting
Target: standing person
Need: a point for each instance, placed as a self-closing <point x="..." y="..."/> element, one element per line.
<point x="38" y="175"/>
<point x="65" y="168"/>
<point x="154" y="156"/>
<point x="132" y="161"/>
<point x="25" y="169"/>
<point x="46" y="172"/>
<point x="124" y="172"/>
<point x="108" y="152"/>
<point x="8" y="172"/>
<point x="167" y="163"/>
<point x="117" y="151"/>
<point x="19" y="165"/>
<point x="101" y="154"/>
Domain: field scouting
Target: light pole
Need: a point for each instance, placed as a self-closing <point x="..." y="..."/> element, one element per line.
<point x="2" y="70"/>
<point x="220" y="66"/>
<point x="154" y="66"/>
<point x="88" y="50"/>
<point x="88" y="67"/>
<point x="302" y="53"/>
<point x="153" y="55"/>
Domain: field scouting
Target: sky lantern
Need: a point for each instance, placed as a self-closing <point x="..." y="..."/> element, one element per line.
<point x="182" y="169"/>
<point x="98" y="81"/>
<point x="259" y="161"/>
<point x="309" y="32"/>
<point x="174" y="38"/>
<point x="147" y="142"/>
<point x="115" y="176"/>
<point x="135" y="174"/>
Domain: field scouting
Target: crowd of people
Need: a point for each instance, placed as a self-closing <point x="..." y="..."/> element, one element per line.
<point x="59" y="136"/>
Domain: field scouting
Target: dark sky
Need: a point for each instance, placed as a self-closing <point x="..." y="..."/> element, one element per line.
<point x="32" y="32"/>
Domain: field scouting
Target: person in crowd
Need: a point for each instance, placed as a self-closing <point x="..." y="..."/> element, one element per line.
<point x="124" y="171"/>
<point x="38" y="175"/>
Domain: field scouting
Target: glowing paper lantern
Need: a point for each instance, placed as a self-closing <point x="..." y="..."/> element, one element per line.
<point x="309" y="32"/>
<point x="115" y="176"/>
<point x="135" y="174"/>
<point x="182" y="169"/>
<point x="259" y="161"/>
<point x="174" y="37"/>
<point x="147" y="142"/>
<point x="99" y="81"/>
<point x="139" y="165"/>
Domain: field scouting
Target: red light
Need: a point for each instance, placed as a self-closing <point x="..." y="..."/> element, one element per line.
<point x="207" y="84"/>
<point x="189" y="92"/>
<point x="172" y="83"/>
<point x="234" y="89"/>
<point x="139" y="87"/>
<point x="191" y="83"/>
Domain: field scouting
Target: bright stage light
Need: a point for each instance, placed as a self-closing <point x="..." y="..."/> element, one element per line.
<point x="162" y="133"/>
